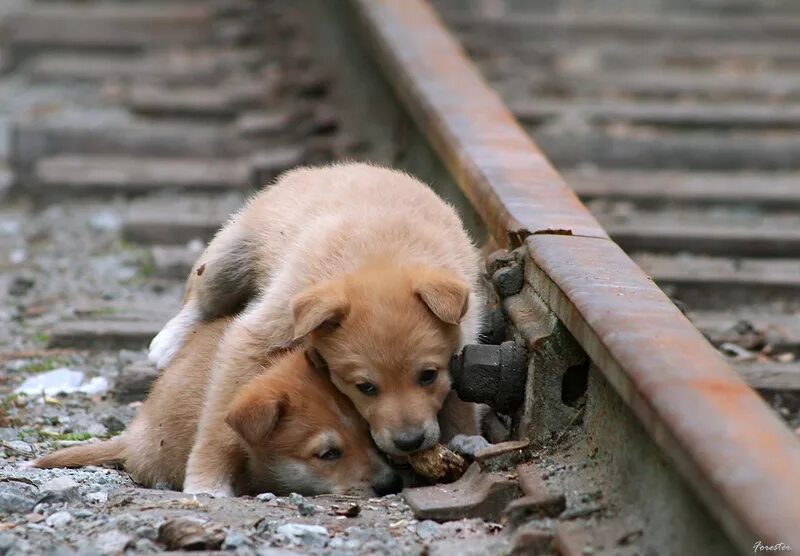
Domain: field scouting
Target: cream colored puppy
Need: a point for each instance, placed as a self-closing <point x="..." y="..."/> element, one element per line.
<point x="372" y="270"/>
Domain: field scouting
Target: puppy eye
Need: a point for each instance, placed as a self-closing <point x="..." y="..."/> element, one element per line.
<point x="330" y="455"/>
<point x="367" y="388"/>
<point x="427" y="377"/>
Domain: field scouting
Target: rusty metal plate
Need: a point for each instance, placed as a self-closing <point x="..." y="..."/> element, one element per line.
<point x="498" y="167"/>
<point x="476" y="494"/>
<point x="538" y="500"/>
<point x="741" y="460"/>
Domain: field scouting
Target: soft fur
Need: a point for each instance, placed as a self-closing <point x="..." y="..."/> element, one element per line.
<point x="367" y="266"/>
<point x="274" y="421"/>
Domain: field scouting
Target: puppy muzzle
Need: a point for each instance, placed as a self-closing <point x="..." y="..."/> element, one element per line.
<point x="408" y="439"/>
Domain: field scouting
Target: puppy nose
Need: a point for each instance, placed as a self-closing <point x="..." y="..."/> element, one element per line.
<point x="392" y="484"/>
<point x="409" y="441"/>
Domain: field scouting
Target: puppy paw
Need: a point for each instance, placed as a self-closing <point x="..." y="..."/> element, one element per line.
<point x="169" y="341"/>
<point x="216" y="491"/>
<point x="467" y="446"/>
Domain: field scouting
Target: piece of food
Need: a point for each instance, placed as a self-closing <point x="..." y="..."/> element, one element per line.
<point x="438" y="464"/>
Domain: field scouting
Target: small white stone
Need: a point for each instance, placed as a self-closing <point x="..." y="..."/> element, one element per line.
<point x="59" y="519"/>
<point x="112" y="542"/>
<point x="59" y="485"/>
<point x="100" y="497"/>
<point x="9" y="227"/>
<point x="427" y="529"/>
<point x="234" y="540"/>
<point x="18" y="256"/>
<point x="20" y="447"/>
<point x="305" y="535"/>
<point x="266" y="497"/>
<point x="105" y="221"/>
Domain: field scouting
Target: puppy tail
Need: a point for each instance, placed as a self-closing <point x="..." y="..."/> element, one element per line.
<point x="108" y="452"/>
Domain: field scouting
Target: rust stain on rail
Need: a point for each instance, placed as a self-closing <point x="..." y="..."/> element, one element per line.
<point x="740" y="459"/>
<point x="503" y="174"/>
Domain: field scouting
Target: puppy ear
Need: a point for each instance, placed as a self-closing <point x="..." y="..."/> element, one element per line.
<point x="253" y="415"/>
<point x="322" y="304"/>
<point x="446" y="295"/>
<point x="315" y="360"/>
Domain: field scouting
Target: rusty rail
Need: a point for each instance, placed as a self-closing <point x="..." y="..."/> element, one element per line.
<point x="741" y="461"/>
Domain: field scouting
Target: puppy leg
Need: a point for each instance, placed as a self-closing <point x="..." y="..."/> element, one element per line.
<point x="217" y="456"/>
<point x="495" y="428"/>
<point x="467" y="446"/>
<point x="214" y="459"/>
<point x="221" y="282"/>
<point x="460" y="424"/>
<point x="459" y="417"/>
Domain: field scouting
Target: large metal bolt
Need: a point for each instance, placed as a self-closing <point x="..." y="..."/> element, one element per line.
<point x="494" y="375"/>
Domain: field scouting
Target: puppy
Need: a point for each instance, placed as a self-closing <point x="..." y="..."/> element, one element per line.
<point x="372" y="270"/>
<point x="286" y="428"/>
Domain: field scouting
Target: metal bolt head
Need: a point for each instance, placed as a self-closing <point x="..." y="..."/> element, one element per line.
<point x="491" y="374"/>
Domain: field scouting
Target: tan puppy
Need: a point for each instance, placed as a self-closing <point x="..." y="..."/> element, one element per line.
<point x="373" y="270"/>
<point x="286" y="428"/>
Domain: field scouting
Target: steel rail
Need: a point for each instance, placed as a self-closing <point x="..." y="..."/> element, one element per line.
<point x="740" y="460"/>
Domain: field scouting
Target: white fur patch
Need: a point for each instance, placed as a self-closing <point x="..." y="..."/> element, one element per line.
<point x="200" y="485"/>
<point x="169" y="341"/>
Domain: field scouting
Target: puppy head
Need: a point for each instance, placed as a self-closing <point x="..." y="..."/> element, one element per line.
<point x="387" y="333"/>
<point x="303" y="435"/>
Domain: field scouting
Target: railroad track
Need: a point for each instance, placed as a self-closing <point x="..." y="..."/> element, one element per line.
<point x="135" y="129"/>
<point x="678" y="133"/>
